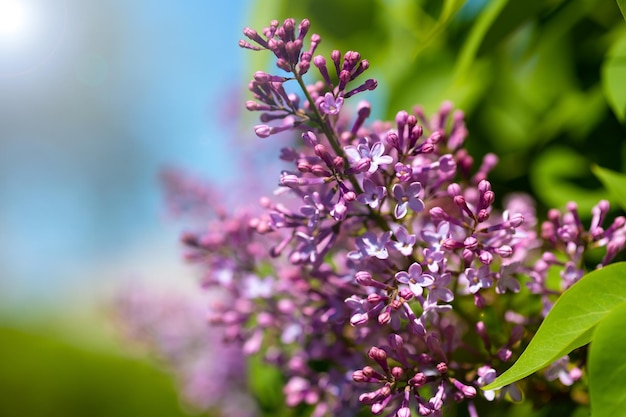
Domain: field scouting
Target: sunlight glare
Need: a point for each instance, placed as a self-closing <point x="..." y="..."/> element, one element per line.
<point x="14" y="20"/>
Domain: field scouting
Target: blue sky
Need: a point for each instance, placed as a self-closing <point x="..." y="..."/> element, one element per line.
<point x="95" y="98"/>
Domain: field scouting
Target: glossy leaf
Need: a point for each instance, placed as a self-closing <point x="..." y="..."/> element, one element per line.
<point x="614" y="182"/>
<point x="571" y="321"/>
<point x="607" y="365"/>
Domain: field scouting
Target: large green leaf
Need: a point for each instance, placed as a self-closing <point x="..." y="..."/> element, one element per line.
<point x="613" y="70"/>
<point x="571" y="321"/>
<point x="614" y="182"/>
<point x="607" y="365"/>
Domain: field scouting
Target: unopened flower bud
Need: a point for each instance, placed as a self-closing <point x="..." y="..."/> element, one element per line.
<point x="358" y="376"/>
<point x="384" y="317"/>
<point x="397" y="372"/>
<point x="437" y="213"/>
<point x="470" y="243"/>
<point x="395" y="341"/>
<point x="504" y="251"/>
<point x="418" y="380"/>
<point x="320" y="171"/>
<point x="467" y="390"/>
<point x="485" y="257"/>
<point x="393" y="140"/>
<point x="338" y="163"/>
<point x="377" y="354"/>
<point x="375" y="298"/>
<point x="263" y="131"/>
<point x="454" y="190"/>
<point x="442" y="368"/>
<point x="310" y="138"/>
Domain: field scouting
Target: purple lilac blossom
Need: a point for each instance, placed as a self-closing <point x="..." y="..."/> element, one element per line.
<point x="408" y="198"/>
<point x="362" y="152"/>
<point x="372" y="194"/>
<point x="415" y="279"/>
<point x="404" y="241"/>
<point x="330" y="273"/>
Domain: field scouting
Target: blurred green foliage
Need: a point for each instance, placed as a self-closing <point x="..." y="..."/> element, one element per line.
<point x="43" y="375"/>
<point x="542" y="82"/>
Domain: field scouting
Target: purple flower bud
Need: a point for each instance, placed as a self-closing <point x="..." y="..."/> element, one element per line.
<point x="385" y="316"/>
<point x="304" y="166"/>
<point x="484" y="186"/>
<point x="467" y="390"/>
<point x="504" y="354"/>
<point x="468" y="256"/>
<point x="404" y="412"/>
<point x="392" y="140"/>
<point x="442" y="368"/>
<point x="438" y="214"/>
<point x="406" y="293"/>
<point x="418" y="380"/>
<point x="401" y="120"/>
<point x="488" y="198"/>
<point x="451" y="244"/>
<point x="365" y="279"/>
<point x="470" y="243"/>
<point x="377" y="354"/>
<point x="423" y="409"/>
<point x="303" y="28"/>
<point x="397" y="372"/>
<point x="504" y="251"/>
<point x="368" y="85"/>
<point x="485" y="257"/>
<point x="263" y="131"/>
<point x="395" y="341"/>
<point x="344" y="78"/>
<point x="358" y="376"/>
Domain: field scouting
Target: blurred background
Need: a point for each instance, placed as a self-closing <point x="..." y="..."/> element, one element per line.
<point x="97" y="98"/>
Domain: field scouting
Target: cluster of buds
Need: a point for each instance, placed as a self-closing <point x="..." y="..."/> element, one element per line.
<point x="323" y="99"/>
<point x="381" y="274"/>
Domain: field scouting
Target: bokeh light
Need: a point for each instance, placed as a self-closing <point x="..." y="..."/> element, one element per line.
<point x="14" y="20"/>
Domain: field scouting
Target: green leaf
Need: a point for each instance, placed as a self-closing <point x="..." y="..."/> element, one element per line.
<point x="265" y="382"/>
<point x="613" y="70"/>
<point x="622" y="7"/>
<point x="450" y="8"/>
<point x="511" y="17"/>
<point x="607" y="365"/>
<point x="614" y="182"/>
<point x="556" y="176"/>
<point x="571" y="321"/>
<point x="477" y="35"/>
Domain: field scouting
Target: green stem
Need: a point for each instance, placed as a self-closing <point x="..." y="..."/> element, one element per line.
<point x="334" y="143"/>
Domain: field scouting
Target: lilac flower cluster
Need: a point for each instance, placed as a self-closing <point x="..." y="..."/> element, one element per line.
<point x="380" y="274"/>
